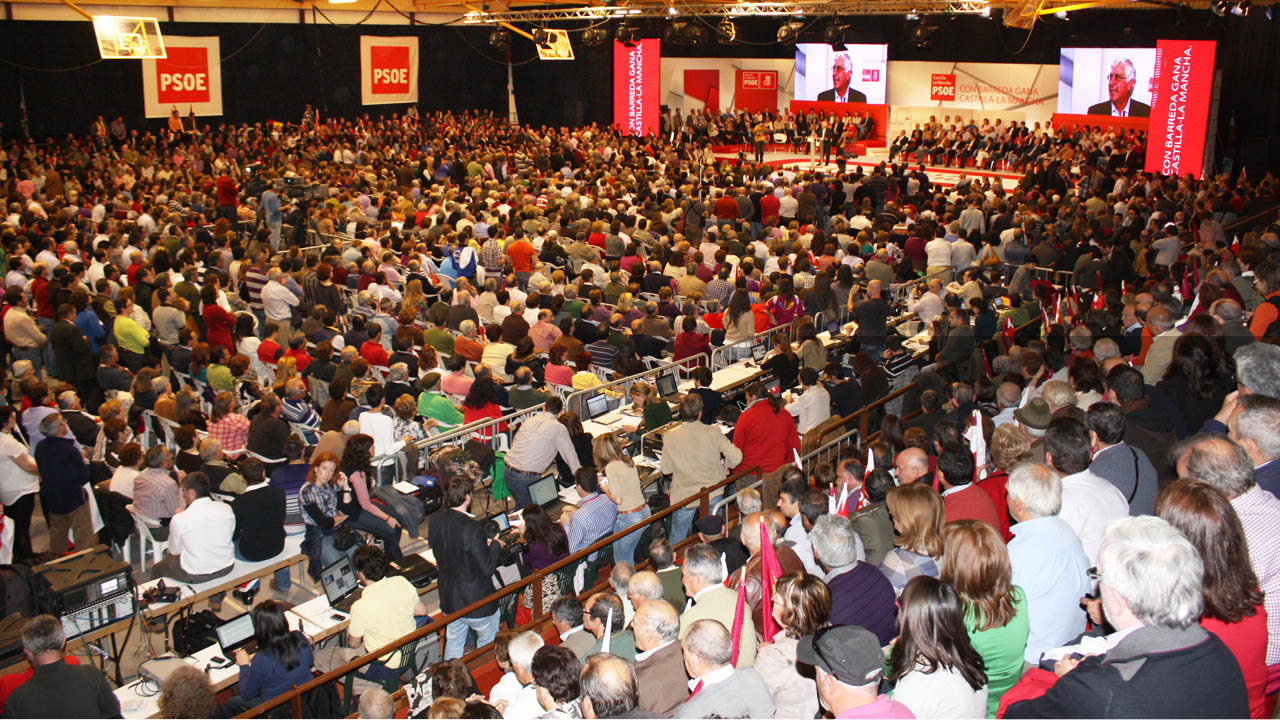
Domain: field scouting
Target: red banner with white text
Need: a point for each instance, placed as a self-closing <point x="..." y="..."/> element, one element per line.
<point x="388" y="70"/>
<point x="637" y="73"/>
<point x="1180" y="106"/>
<point x="755" y="90"/>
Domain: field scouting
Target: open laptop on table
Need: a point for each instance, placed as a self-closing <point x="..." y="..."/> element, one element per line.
<point x="597" y="405"/>
<point x="544" y="492"/>
<point x="341" y="587"/>
<point x="758" y="352"/>
<point x="667" y="388"/>
<point x="237" y="634"/>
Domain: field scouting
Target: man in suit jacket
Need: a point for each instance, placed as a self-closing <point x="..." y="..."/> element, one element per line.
<point x="1121" y="80"/>
<point x="566" y="616"/>
<point x="662" y="555"/>
<point x="1125" y="466"/>
<point x="1163" y="336"/>
<point x="71" y="352"/>
<point x="704" y="584"/>
<point x="597" y="621"/>
<point x="467" y="560"/>
<point x="959" y="345"/>
<point x="721" y="689"/>
<point x="841" y="76"/>
<point x="660" y="671"/>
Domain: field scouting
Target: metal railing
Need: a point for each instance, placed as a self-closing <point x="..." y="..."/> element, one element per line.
<point x="726" y="355"/>
<point x="534" y="581"/>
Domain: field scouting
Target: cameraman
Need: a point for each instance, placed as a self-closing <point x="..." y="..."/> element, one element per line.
<point x="466" y="559"/>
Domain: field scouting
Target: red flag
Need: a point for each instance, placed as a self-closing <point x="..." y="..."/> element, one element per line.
<point x="987" y="362"/>
<point x="1099" y="282"/>
<point x="1044" y="322"/>
<point x="1235" y="245"/>
<point x="1099" y="301"/>
<point x="1008" y="332"/>
<point x="739" y="615"/>
<point x="770" y="571"/>
<point x="1186" y="281"/>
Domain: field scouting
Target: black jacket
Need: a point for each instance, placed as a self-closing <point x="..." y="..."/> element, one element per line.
<point x="267" y="435"/>
<point x="466" y="560"/>
<point x="259" y="522"/>
<point x="71" y="353"/>
<point x="59" y="690"/>
<point x="1153" y="672"/>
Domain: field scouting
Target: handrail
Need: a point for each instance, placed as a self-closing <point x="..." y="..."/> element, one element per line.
<point x="1255" y="216"/>
<point x="718" y="354"/>
<point x="294" y="695"/>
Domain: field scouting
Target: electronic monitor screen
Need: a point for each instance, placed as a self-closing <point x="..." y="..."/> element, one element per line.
<point x="235" y="631"/>
<point x="1106" y="81"/>
<point x="858" y="73"/>
<point x="666" y="385"/>
<point x="597" y="405"/>
<point x="338" y="579"/>
<point x="757" y="352"/>
<point x="543" y="492"/>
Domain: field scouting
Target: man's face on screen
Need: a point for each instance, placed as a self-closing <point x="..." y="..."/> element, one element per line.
<point x="1119" y="84"/>
<point x="841" y="74"/>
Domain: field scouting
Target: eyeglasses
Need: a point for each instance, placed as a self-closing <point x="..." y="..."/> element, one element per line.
<point x="1094" y="574"/>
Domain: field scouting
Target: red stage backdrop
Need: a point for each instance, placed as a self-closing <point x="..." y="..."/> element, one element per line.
<point x="703" y="85"/>
<point x="1180" y="106"/>
<point x="755" y="90"/>
<point x="880" y="114"/>
<point x="635" y="86"/>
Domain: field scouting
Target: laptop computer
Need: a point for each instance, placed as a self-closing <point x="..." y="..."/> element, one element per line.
<point x="597" y="405"/>
<point x="667" y="386"/>
<point x="758" y="352"/>
<point x="236" y="634"/>
<point x="419" y="571"/>
<point x="341" y="587"/>
<point x="544" y="492"/>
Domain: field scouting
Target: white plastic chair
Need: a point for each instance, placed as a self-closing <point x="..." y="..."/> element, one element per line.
<point x="144" y="525"/>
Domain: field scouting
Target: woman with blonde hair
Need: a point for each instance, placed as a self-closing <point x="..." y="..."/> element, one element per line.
<point x="653" y="410"/>
<point x="976" y="564"/>
<point x="286" y="370"/>
<point x="621" y="483"/>
<point x="801" y="606"/>
<point x="917" y="514"/>
<point x="627" y="308"/>
<point x="1008" y="447"/>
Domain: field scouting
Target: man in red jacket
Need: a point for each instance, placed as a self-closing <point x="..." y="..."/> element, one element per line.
<point x="227" y="193"/>
<point x="766" y="435"/>
<point x="961" y="498"/>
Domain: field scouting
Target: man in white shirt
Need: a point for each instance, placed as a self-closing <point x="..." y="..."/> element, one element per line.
<point x="813" y="406"/>
<point x="938" y="264"/>
<point x="278" y="301"/>
<point x="1089" y="502"/>
<point x="522" y="702"/>
<point x="929" y="305"/>
<point x="378" y="425"/>
<point x="790" y="500"/>
<point x="200" y="546"/>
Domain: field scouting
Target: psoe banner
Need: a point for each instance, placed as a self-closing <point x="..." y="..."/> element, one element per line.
<point x="636" y="73"/>
<point x="388" y="70"/>
<point x="190" y="78"/>
<point x="1180" y="106"/>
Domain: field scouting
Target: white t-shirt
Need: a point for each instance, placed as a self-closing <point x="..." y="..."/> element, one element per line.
<point x="122" y="481"/>
<point x="940" y="694"/>
<point x="14" y="481"/>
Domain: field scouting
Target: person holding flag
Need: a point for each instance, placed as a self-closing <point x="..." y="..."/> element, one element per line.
<point x="718" y="687"/>
<point x="767" y="562"/>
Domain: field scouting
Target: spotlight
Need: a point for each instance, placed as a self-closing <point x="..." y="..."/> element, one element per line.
<point x="500" y="39"/>
<point x="1061" y="15"/>
<point x="919" y="34"/>
<point x="789" y="32"/>
<point x="833" y="35"/>
<point x="695" y="34"/>
<point x="727" y="32"/>
<point x="1219" y="7"/>
<point x="1241" y="8"/>
<point x="595" y="36"/>
<point x="911" y="17"/>
<point x="672" y="11"/>
<point x="541" y="37"/>
<point x="626" y="34"/>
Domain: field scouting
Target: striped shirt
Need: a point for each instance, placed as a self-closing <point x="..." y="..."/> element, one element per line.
<point x="1259" y="513"/>
<point x="255" y="279"/>
<point x="592" y="521"/>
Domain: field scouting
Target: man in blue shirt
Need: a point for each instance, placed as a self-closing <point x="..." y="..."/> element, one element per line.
<point x="593" y="517"/>
<point x="272" y="215"/>
<point x="1047" y="559"/>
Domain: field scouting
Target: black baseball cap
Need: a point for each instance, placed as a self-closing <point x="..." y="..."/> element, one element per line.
<point x="850" y="653"/>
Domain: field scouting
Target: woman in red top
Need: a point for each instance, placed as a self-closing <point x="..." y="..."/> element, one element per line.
<point x="479" y="405"/>
<point x="785" y="305"/>
<point x="690" y="343"/>
<point x="766" y="435"/>
<point x="218" y="322"/>
<point x="1233" y="607"/>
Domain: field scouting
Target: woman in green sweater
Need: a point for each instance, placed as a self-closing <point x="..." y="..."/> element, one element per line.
<point x="976" y="563"/>
<point x="653" y="409"/>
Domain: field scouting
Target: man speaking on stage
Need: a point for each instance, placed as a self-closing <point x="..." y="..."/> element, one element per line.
<point x="841" y="75"/>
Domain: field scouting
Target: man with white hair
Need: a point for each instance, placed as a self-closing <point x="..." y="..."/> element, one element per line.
<point x="278" y="301"/>
<point x="1009" y="398"/>
<point x="523" y="702"/>
<point x="299" y="411"/>
<point x="1047" y="559"/>
<point x="660" y="667"/>
<point x="860" y="593"/>
<point x="717" y="686"/>
<point x="1160" y="661"/>
<point x="703" y="579"/>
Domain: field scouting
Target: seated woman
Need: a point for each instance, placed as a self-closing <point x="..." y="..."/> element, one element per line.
<point x="527" y="355"/>
<point x="548" y="544"/>
<point x="283" y="659"/>
<point x="557" y="371"/>
<point x="327" y="501"/>
<point x="653" y="410"/>
<point x="782" y="361"/>
<point x="366" y="516"/>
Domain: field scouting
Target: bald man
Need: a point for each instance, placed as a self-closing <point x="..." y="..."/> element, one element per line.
<point x="912" y="465"/>
<point x="660" y="670"/>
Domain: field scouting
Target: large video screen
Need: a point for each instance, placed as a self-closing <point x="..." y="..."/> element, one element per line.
<point x="1106" y="81"/>
<point x="859" y="73"/>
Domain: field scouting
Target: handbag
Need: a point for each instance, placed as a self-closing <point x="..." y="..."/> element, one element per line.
<point x="344" y="538"/>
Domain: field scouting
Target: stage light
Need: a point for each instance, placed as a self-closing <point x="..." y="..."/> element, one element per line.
<point x="500" y="39"/>
<point x="919" y="34"/>
<point x="727" y="32"/>
<point x="672" y="11"/>
<point x="541" y="37"/>
<point x="911" y="17"/>
<point x="1219" y="7"/>
<point x="1241" y="8"/>
<point x="789" y="32"/>
<point x="626" y="34"/>
<point x="833" y="35"/>
<point x="1061" y="15"/>
<point x="695" y="34"/>
<point x="595" y="36"/>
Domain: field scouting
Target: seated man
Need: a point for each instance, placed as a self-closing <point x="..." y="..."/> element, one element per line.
<point x="260" y="514"/>
<point x="664" y="684"/>
<point x="704" y="582"/>
<point x="848" y="663"/>
<point x="58" y="685"/>
<point x="609" y="688"/>
<point x="860" y="593"/>
<point x="222" y="477"/>
<point x="1162" y="663"/>
<point x="155" y="491"/>
<point x="386" y="611"/>
<point x="750" y="534"/>
<point x="604" y="615"/>
<point x="267" y="431"/>
<point x="720" y="688"/>
<point x="566" y="616"/>
<point x="555" y="674"/>
<point x="200" y="544"/>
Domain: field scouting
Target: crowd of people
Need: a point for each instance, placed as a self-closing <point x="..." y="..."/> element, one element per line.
<point x="1068" y="511"/>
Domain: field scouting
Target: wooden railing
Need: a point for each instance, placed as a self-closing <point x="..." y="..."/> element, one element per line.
<point x="437" y="627"/>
